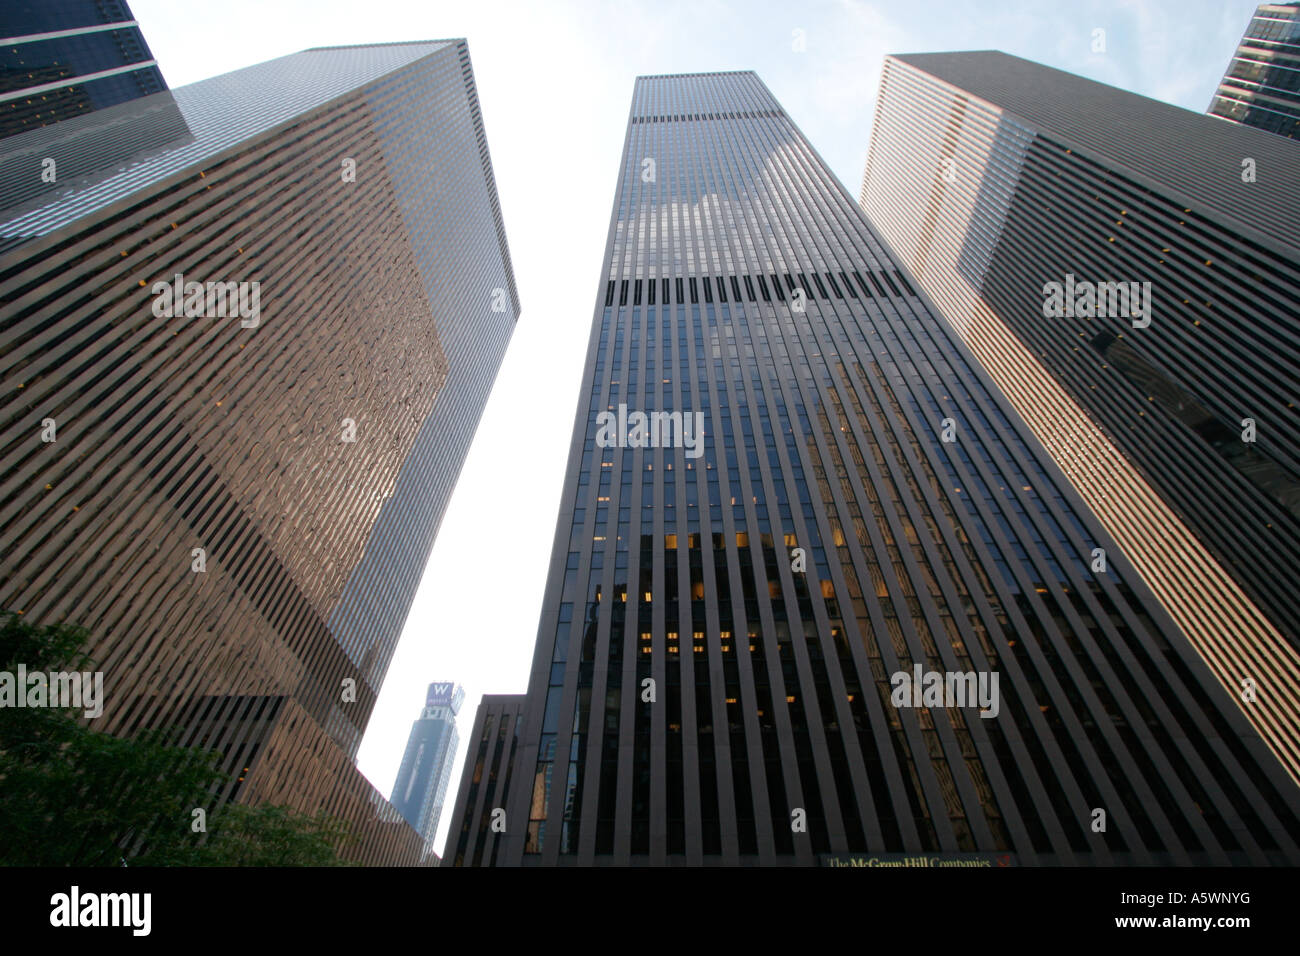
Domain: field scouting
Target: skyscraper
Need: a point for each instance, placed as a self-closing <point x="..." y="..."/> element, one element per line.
<point x="1261" y="87"/>
<point x="744" y="622"/>
<point x="421" y="785"/>
<point x="241" y="377"/>
<point x="479" y="815"/>
<point x="1170" y="401"/>
<point x="66" y="58"/>
<point x="79" y="92"/>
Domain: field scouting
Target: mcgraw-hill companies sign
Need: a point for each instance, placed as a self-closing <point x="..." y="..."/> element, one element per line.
<point x="888" y="860"/>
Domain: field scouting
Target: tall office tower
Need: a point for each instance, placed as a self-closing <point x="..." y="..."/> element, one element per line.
<point x="485" y="781"/>
<point x="421" y="785"/>
<point x="742" y="629"/>
<point x="1172" y="409"/>
<point x="1262" y="85"/>
<point x="239" y="380"/>
<point x="79" y="92"/>
<point x="65" y="58"/>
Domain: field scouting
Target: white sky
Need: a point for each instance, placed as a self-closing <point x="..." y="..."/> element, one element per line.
<point x="555" y="81"/>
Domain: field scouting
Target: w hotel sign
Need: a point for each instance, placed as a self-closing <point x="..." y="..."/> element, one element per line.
<point x="445" y="694"/>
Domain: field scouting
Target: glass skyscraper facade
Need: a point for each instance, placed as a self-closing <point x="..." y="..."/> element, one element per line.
<point x="727" y="621"/>
<point x="485" y="782"/>
<point x="243" y="373"/>
<point x="421" y="785"/>
<point x="992" y="178"/>
<point x="66" y="58"/>
<point x="1261" y="86"/>
<point x="79" y="92"/>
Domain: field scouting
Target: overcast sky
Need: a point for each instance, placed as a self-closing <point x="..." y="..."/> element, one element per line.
<point x="555" y="81"/>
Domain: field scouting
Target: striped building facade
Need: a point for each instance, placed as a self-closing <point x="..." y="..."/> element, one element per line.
<point x="1261" y="86"/>
<point x="80" y="92"/>
<point x="993" y="177"/>
<point x="726" y="621"/>
<point x="65" y="58"/>
<point x="239" y="379"/>
<point x="478" y="820"/>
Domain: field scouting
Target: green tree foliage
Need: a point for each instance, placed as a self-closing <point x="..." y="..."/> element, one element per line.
<point x="71" y="796"/>
<point x="268" y="835"/>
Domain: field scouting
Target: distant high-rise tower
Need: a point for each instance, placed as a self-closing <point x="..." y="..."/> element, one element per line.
<point x="241" y="376"/>
<point x="1162" y="378"/>
<point x="813" y="590"/>
<point x="1261" y="87"/>
<point x="421" y="785"/>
